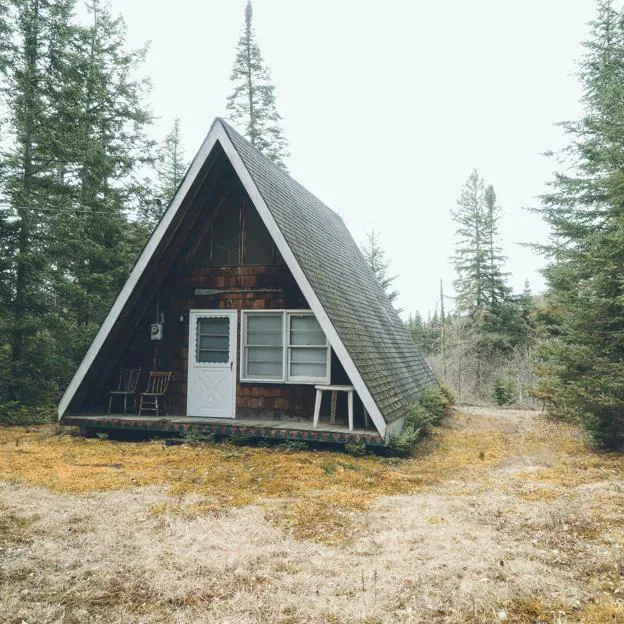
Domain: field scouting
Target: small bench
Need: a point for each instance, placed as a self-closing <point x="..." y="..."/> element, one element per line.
<point x="334" y="390"/>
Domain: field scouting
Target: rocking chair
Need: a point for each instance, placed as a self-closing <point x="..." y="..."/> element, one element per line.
<point x="128" y="380"/>
<point x="154" y="395"/>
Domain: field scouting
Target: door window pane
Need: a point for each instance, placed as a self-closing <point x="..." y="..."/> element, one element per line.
<point x="213" y="340"/>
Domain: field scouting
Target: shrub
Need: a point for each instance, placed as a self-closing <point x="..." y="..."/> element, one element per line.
<point x="356" y="450"/>
<point x="196" y="437"/>
<point x="503" y="391"/>
<point x="403" y="444"/>
<point x="430" y="408"/>
<point x="14" y="413"/>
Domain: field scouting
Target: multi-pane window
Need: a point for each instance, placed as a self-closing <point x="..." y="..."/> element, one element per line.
<point x="307" y="348"/>
<point x="263" y="346"/>
<point x="284" y="346"/>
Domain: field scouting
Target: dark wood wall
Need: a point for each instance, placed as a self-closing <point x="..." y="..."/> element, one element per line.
<point x="270" y="287"/>
<point x="228" y="249"/>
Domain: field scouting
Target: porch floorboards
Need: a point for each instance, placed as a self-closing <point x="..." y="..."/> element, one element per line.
<point x="252" y="428"/>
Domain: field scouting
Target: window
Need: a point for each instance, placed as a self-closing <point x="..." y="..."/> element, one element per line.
<point x="213" y="340"/>
<point x="307" y="348"/>
<point x="284" y="346"/>
<point x="263" y="351"/>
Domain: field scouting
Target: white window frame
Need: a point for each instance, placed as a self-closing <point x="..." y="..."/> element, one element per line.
<point x="286" y="347"/>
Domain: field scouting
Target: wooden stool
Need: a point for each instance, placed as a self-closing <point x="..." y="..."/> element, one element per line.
<point x="334" y="390"/>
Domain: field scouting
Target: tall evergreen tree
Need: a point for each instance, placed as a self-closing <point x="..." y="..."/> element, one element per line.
<point x="375" y="256"/>
<point x="251" y="106"/>
<point x="97" y="244"/>
<point x="471" y="253"/>
<point x="583" y="362"/>
<point x="75" y="141"/>
<point x="38" y="32"/>
<point x="170" y="165"/>
<point x="495" y="288"/>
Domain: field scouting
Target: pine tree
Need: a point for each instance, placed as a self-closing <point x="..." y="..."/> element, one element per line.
<point x="170" y="166"/>
<point x="583" y="361"/>
<point x="37" y="35"/>
<point x="251" y="106"/>
<point x="67" y="181"/>
<point x="471" y="255"/>
<point x="482" y="293"/>
<point x="98" y="243"/>
<point x="495" y="288"/>
<point x="375" y="256"/>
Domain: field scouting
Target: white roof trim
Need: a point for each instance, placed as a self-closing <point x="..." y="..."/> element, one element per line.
<point x="218" y="133"/>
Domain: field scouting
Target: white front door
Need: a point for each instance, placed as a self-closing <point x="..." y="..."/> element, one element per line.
<point x="211" y="390"/>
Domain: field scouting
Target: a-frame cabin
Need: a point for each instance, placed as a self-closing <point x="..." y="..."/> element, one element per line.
<point x="256" y="296"/>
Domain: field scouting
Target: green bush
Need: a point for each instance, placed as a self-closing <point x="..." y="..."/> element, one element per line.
<point x="403" y="444"/>
<point x="14" y="413"/>
<point x="503" y="392"/>
<point x="430" y="408"/>
<point x="356" y="450"/>
<point x="435" y="403"/>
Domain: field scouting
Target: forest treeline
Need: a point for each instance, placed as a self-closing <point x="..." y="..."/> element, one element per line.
<point x="81" y="187"/>
<point x="563" y="350"/>
<point x="83" y="183"/>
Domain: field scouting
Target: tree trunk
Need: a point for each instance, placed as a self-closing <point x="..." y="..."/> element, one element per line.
<point x="18" y="335"/>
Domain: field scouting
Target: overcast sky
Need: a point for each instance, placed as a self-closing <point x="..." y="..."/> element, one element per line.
<point x="388" y="106"/>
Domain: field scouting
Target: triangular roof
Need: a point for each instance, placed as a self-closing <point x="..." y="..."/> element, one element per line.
<point x="360" y="323"/>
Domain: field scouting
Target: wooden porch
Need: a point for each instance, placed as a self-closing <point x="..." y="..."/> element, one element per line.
<point x="245" y="427"/>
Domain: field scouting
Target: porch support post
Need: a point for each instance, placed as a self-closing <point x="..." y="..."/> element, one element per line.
<point x="317" y="408"/>
<point x="350" y="400"/>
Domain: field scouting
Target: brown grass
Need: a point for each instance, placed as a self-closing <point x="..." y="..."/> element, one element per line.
<point x="324" y="487"/>
<point x="503" y="516"/>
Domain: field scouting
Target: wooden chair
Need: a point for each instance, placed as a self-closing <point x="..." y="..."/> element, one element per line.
<point x="128" y="380"/>
<point x="157" y="385"/>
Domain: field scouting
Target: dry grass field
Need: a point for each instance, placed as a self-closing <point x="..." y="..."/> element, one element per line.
<point x="503" y="516"/>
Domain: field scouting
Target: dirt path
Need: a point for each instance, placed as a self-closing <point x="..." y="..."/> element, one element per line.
<point x="503" y="516"/>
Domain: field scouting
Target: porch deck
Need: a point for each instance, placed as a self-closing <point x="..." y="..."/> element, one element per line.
<point x="269" y="429"/>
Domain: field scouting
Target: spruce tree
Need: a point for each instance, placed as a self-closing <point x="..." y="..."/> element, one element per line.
<point x="68" y="181"/>
<point x="482" y="294"/>
<point x="251" y="105"/>
<point x="37" y="35"/>
<point x="375" y="256"/>
<point x="471" y="254"/>
<point x="495" y="288"/>
<point x="170" y="165"/>
<point x="582" y="364"/>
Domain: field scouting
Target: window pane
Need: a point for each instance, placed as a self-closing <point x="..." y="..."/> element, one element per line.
<point x="221" y="343"/>
<point x="308" y="355"/>
<point x="213" y="326"/>
<point x="264" y="322"/>
<point x="308" y="370"/>
<point x="215" y="357"/>
<point x="213" y="340"/>
<point x="258" y="241"/>
<point x="264" y="362"/>
<point x="268" y="337"/>
<point x="225" y="235"/>
<point x="305" y="330"/>
<point x="264" y="329"/>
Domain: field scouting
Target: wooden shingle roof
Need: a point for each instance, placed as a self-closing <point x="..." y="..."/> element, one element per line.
<point x="369" y="328"/>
